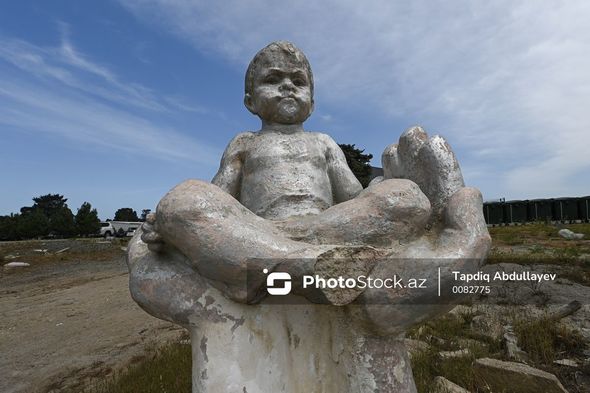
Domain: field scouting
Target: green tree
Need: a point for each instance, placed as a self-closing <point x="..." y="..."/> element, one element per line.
<point x="358" y="163"/>
<point x="87" y="222"/>
<point x="49" y="204"/>
<point x="8" y="227"/>
<point x="31" y="224"/>
<point x="126" y="214"/>
<point x="61" y="222"/>
<point x="144" y="214"/>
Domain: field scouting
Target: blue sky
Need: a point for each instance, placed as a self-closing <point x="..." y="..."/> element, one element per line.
<point x="115" y="102"/>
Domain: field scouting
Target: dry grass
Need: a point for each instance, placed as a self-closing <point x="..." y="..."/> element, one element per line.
<point x="546" y="340"/>
<point x="164" y="370"/>
<point x="444" y="334"/>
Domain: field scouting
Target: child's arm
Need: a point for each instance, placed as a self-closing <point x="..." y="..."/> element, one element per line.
<point x="229" y="175"/>
<point x="345" y="185"/>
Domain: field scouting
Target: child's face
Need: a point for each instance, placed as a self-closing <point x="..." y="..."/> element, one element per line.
<point x="281" y="90"/>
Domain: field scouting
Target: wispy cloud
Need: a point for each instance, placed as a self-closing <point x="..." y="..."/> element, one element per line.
<point x="52" y="90"/>
<point x="68" y="66"/>
<point x="506" y="82"/>
<point x="90" y="123"/>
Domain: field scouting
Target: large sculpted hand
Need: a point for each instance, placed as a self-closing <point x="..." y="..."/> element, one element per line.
<point x="457" y="237"/>
<point x="165" y="282"/>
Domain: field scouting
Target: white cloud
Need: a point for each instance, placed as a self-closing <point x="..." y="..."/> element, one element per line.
<point x="506" y="82"/>
<point x="52" y="90"/>
<point x="68" y="66"/>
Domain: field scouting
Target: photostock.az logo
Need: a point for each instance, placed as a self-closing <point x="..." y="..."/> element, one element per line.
<point x="279" y="278"/>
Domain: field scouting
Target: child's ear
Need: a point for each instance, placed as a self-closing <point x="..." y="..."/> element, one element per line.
<point x="249" y="103"/>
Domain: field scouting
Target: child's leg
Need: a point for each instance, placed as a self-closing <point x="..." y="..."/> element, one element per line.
<point x="220" y="236"/>
<point x="379" y="216"/>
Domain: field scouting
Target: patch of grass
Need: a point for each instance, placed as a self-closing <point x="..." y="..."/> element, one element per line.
<point x="519" y="234"/>
<point x="568" y="252"/>
<point x="427" y="365"/>
<point x="164" y="370"/>
<point x="546" y="339"/>
<point x="79" y="249"/>
<point x="444" y="334"/>
<point x="567" y="263"/>
<point x="580" y="228"/>
<point x="543" y="245"/>
<point x="425" y="369"/>
<point x="533" y="233"/>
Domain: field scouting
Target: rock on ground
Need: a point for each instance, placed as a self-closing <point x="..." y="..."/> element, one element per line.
<point x="569" y="235"/>
<point x="443" y="385"/>
<point x="502" y="376"/>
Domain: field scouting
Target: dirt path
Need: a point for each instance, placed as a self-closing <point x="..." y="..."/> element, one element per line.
<point x="63" y="324"/>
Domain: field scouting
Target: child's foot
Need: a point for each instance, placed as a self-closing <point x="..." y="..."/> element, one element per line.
<point x="150" y="236"/>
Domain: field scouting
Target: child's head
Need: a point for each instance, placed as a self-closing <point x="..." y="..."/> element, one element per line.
<point x="279" y="84"/>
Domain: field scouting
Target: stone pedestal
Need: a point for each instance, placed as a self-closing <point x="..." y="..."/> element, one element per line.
<point x="292" y="348"/>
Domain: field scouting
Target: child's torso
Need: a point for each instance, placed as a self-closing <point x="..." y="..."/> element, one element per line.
<point x="285" y="175"/>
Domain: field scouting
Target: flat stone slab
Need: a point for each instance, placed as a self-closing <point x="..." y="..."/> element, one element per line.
<point x="443" y="385"/>
<point x="500" y="376"/>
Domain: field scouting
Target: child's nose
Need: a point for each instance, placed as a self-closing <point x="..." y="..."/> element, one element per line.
<point x="287" y="84"/>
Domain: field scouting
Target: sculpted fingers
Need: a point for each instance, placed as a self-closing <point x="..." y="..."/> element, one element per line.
<point x="429" y="162"/>
<point x="465" y="210"/>
<point x="410" y="143"/>
<point x="392" y="167"/>
<point x="465" y="226"/>
<point x="441" y="173"/>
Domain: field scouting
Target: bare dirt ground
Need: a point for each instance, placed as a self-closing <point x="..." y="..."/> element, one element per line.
<point x="66" y="322"/>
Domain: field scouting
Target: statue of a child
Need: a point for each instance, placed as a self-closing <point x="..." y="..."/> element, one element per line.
<point x="284" y="199"/>
<point x="286" y="196"/>
<point x="286" y="184"/>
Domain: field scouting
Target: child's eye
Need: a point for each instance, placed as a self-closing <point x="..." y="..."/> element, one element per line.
<point x="299" y="82"/>
<point x="271" y="79"/>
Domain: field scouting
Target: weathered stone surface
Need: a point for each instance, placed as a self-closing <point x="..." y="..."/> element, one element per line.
<point x="443" y="385"/>
<point x="16" y="264"/>
<point x="415" y="346"/>
<point x="460" y="353"/>
<point x="566" y="362"/>
<point x="285" y="201"/>
<point x="515" y="377"/>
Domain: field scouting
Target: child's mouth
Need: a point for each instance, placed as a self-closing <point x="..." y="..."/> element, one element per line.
<point x="288" y="106"/>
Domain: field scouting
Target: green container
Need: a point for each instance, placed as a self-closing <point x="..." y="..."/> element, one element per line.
<point x="542" y="209"/>
<point x="565" y="209"/>
<point x="584" y="208"/>
<point x="494" y="211"/>
<point x="515" y="212"/>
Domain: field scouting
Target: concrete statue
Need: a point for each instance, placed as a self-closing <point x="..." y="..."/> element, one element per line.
<point x="284" y="200"/>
